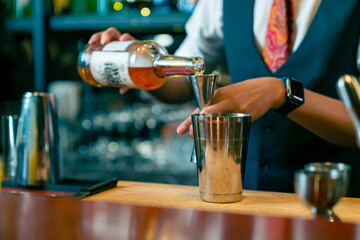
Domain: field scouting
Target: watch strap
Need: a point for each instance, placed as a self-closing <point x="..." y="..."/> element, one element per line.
<point x="287" y="108"/>
<point x="291" y="102"/>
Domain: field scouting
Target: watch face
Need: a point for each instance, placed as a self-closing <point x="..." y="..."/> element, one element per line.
<point x="296" y="90"/>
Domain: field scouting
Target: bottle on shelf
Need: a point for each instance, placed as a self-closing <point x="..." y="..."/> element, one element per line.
<point x="62" y="7"/>
<point x="19" y="8"/>
<point x="134" y="64"/>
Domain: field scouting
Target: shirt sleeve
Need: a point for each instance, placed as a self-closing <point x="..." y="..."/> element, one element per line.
<point x="204" y="34"/>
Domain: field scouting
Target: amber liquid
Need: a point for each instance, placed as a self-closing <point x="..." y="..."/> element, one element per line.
<point x="86" y="75"/>
<point x="148" y="78"/>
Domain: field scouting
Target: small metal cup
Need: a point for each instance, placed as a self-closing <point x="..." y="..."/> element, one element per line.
<point x="37" y="140"/>
<point x="321" y="189"/>
<point x="327" y="166"/>
<point x="8" y="148"/>
<point x="221" y="143"/>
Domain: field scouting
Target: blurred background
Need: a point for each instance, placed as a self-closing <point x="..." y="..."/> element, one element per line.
<point x="102" y="133"/>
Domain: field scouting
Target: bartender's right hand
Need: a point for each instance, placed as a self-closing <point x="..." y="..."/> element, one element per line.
<point x="110" y="34"/>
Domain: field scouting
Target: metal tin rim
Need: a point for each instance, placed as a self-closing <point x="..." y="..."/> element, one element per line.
<point x="37" y="94"/>
<point x="227" y="115"/>
<point x="332" y="174"/>
<point x="328" y="165"/>
<point x="211" y="75"/>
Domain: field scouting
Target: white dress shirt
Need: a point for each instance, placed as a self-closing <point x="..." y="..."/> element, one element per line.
<point x="205" y="28"/>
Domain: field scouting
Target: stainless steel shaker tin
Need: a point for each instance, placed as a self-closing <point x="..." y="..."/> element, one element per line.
<point x="221" y="142"/>
<point x="37" y="140"/>
<point x="8" y="147"/>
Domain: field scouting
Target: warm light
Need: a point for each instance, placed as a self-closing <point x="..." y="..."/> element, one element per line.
<point x="118" y="6"/>
<point x="145" y="11"/>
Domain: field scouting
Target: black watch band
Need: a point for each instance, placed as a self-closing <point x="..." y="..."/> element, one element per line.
<point x="294" y="94"/>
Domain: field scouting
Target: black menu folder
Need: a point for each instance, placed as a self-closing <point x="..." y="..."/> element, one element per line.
<point x="64" y="188"/>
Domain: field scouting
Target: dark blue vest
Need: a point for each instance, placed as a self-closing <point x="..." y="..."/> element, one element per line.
<point x="279" y="146"/>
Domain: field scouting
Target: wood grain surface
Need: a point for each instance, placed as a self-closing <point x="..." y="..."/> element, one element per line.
<point x="148" y="211"/>
<point x="253" y="202"/>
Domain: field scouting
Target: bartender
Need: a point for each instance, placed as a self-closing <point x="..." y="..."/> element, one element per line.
<point x="307" y="44"/>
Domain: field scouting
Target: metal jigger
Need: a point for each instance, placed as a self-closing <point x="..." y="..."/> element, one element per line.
<point x="203" y="87"/>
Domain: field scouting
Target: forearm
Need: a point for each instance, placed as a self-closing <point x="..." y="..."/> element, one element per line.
<point x="326" y="117"/>
<point x="175" y="90"/>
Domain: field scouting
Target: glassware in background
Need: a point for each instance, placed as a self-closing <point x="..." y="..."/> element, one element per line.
<point x="37" y="140"/>
<point x="84" y="7"/>
<point x="320" y="189"/>
<point x="8" y="147"/>
<point x="132" y="137"/>
<point x="62" y="7"/>
<point x="21" y="8"/>
<point x="141" y="137"/>
<point x="68" y="96"/>
<point x="162" y="5"/>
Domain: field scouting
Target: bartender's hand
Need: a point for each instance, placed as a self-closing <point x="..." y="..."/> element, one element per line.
<point x="111" y="34"/>
<point x="254" y="96"/>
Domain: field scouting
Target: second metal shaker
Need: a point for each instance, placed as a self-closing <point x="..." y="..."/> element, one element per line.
<point x="37" y="140"/>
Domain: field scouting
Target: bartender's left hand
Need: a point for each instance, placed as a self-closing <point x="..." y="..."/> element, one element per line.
<point x="254" y="96"/>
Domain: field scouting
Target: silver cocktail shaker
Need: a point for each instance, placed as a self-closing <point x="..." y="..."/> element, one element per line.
<point x="221" y="143"/>
<point x="37" y="140"/>
<point x="8" y="138"/>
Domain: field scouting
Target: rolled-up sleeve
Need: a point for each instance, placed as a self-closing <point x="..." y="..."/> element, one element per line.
<point x="204" y="34"/>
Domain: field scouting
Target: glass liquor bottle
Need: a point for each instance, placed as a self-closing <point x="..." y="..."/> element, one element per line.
<point x="134" y="64"/>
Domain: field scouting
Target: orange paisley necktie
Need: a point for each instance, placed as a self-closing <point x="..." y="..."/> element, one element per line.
<point x="278" y="38"/>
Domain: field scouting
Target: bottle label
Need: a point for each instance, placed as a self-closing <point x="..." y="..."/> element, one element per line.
<point x="111" y="68"/>
<point x="117" y="46"/>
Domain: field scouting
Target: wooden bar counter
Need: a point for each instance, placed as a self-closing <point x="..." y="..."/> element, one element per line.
<point x="136" y="210"/>
<point x="253" y="202"/>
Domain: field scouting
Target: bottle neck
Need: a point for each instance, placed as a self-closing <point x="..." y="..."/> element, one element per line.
<point x="175" y="65"/>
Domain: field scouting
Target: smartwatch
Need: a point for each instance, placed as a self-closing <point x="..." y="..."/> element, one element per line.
<point x="294" y="94"/>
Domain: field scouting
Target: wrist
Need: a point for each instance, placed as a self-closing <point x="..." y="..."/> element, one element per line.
<point x="279" y="93"/>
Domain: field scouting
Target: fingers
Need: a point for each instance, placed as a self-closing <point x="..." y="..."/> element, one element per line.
<point x="126" y="37"/>
<point x="95" y="38"/>
<point x="123" y="90"/>
<point x="106" y="36"/>
<point x="220" y="107"/>
<point x="185" y="125"/>
<point x="109" y="35"/>
<point x="191" y="133"/>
